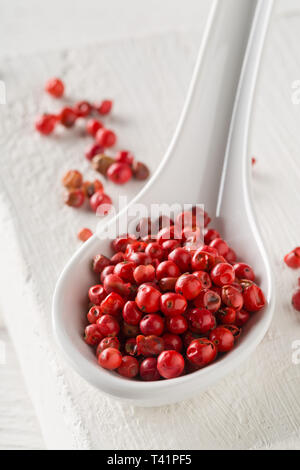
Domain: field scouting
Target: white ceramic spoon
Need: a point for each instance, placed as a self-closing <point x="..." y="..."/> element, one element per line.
<point x="202" y="165"/>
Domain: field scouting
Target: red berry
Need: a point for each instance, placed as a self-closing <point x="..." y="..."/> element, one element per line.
<point x="231" y="256"/>
<point x="110" y="358"/>
<point x="167" y="284"/>
<point x="296" y="300"/>
<point x="148" y="369"/>
<point x="148" y="299"/>
<point x="172" y="304"/>
<point x="94" y="314"/>
<point x="109" y="342"/>
<point x="170" y="245"/>
<point x="129" y="367"/>
<point x="234" y="330"/>
<point x="124" y="157"/>
<point x="244" y="271"/>
<point x="232" y="297"/>
<point x="222" y="338"/>
<point x="210" y="235"/>
<point x="101" y="203"/>
<point x="55" y="87"/>
<point x="177" y="324"/>
<point x="149" y="345"/>
<point x="96" y="294"/>
<point x="241" y="317"/>
<point x="222" y="274"/>
<point x="209" y="300"/>
<point x="170" y="364"/>
<point x="201" y="321"/>
<point x="104" y="107"/>
<point x="84" y="234"/>
<point x="204" y="278"/>
<point x="220" y="245"/>
<point x="82" y="109"/>
<point x="144" y="274"/>
<point x="201" y="352"/>
<point x="121" y="243"/>
<point x="226" y="315"/>
<point x="119" y="173"/>
<point x="125" y="270"/>
<point x="254" y="298"/>
<point x="112" y="304"/>
<point x="203" y="260"/>
<point x="172" y="342"/>
<point x="67" y="117"/>
<point x="117" y="258"/>
<point x="92" y="127"/>
<point x="100" y="262"/>
<point x="93" y="335"/>
<point x="182" y="258"/>
<point x="167" y="269"/>
<point x="108" y="325"/>
<point x="155" y="251"/>
<point x="113" y="283"/>
<point x="139" y="258"/>
<point x="106" y="137"/>
<point x="131" y="314"/>
<point x="292" y="259"/>
<point x="93" y="150"/>
<point x="152" y="324"/>
<point x="135" y="247"/>
<point x="189" y="286"/>
<point x="45" y="124"/>
<point x="106" y="271"/>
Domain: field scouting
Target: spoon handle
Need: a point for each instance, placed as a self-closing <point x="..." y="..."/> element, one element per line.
<point x="190" y="171"/>
<point x="235" y="202"/>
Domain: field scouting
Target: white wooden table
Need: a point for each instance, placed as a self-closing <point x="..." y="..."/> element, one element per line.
<point x="274" y="420"/>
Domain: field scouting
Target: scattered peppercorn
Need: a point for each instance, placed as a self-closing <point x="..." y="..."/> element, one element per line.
<point x="84" y="234"/>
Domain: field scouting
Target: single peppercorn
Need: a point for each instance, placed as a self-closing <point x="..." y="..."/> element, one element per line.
<point x="101" y="163"/>
<point x="74" y="198"/>
<point x="55" y="87"/>
<point x="45" y="124"/>
<point x="72" y="179"/>
<point x="140" y="171"/>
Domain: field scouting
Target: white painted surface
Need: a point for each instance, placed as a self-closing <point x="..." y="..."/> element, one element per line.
<point x="19" y="428"/>
<point x="257" y="406"/>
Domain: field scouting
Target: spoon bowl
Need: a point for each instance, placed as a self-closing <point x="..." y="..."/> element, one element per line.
<point x="202" y="165"/>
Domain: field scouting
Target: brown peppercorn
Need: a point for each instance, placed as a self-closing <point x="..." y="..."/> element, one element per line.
<point x="140" y="171"/>
<point x="91" y="187"/>
<point x="74" y="197"/>
<point x="101" y="163"/>
<point x="72" y="179"/>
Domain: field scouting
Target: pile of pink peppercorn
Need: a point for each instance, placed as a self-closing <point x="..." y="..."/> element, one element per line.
<point x="163" y="308"/>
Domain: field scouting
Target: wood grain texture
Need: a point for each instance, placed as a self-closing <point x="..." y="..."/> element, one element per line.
<point x="256" y="407"/>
